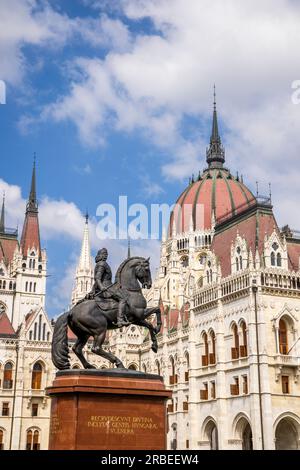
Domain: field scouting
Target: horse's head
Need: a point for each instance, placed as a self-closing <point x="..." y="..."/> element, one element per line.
<point x="143" y="273"/>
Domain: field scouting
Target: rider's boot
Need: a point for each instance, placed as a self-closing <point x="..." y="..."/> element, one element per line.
<point x="121" y="319"/>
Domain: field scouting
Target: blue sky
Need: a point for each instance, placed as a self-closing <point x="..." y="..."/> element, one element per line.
<point x="115" y="98"/>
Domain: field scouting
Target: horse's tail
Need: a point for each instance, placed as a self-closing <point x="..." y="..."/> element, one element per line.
<point x="60" y="349"/>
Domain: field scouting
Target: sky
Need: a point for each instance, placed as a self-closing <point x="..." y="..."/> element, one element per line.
<point x="115" y="97"/>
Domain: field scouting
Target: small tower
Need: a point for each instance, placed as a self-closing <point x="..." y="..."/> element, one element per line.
<point x="30" y="263"/>
<point x="215" y="154"/>
<point x="30" y="238"/>
<point x="84" y="273"/>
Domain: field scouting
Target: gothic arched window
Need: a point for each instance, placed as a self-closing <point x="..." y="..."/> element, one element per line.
<point x="212" y="355"/>
<point x="32" y="440"/>
<point x="278" y="259"/>
<point x="205" y="350"/>
<point x="243" y="348"/>
<point x="36" y="381"/>
<point x="7" y="378"/>
<point x="273" y="262"/>
<point x="283" y="337"/>
<point x="235" y="351"/>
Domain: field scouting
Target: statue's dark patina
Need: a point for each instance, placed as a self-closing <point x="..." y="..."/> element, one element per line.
<point x="108" y="306"/>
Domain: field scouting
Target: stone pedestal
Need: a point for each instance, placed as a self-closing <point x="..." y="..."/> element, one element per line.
<point x="108" y="410"/>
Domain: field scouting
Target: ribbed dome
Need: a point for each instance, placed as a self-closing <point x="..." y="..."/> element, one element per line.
<point x="216" y="192"/>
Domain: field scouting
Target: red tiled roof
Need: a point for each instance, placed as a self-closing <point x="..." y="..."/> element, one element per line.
<point x="173" y="318"/>
<point x="293" y="255"/>
<point x="185" y="312"/>
<point x="5" y="325"/>
<point x="29" y="317"/>
<point x="218" y="192"/>
<point x="7" y="249"/>
<point x="246" y="228"/>
<point x="31" y="233"/>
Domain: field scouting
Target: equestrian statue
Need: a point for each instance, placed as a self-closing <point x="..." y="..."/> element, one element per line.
<point x="107" y="307"/>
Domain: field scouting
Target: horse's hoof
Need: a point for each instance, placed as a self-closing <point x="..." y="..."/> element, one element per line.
<point x="154" y="348"/>
<point x="89" y="366"/>
<point x="120" y="365"/>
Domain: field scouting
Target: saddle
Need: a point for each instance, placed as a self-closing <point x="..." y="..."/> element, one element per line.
<point x="102" y="303"/>
<point x="106" y="304"/>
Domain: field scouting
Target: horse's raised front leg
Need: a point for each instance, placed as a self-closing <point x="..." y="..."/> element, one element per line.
<point x="156" y="311"/>
<point x="151" y="328"/>
<point x="97" y="349"/>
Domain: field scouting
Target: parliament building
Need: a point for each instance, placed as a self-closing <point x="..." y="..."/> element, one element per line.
<point x="228" y="286"/>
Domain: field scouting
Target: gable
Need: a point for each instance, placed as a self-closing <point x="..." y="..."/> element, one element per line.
<point x="7" y="249"/>
<point x="6" y="328"/>
<point x="252" y="227"/>
<point x="38" y="326"/>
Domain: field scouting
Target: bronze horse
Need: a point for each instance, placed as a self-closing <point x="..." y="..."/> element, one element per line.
<point x="92" y="318"/>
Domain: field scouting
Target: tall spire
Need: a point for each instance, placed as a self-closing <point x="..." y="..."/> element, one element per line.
<point x="215" y="154"/>
<point x="2" y="220"/>
<point x="31" y="232"/>
<point x="84" y="272"/>
<point x="32" y="202"/>
<point x="85" y="262"/>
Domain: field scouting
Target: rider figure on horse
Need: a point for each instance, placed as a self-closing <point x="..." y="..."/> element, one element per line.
<point x="104" y="289"/>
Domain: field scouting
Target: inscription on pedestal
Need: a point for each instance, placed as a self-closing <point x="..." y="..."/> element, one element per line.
<point x="121" y="424"/>
<point x="92" y="411"/>
<point x="55" y="427"/>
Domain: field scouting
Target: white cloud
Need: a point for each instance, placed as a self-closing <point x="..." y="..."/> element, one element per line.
<point x="249" y="49"/>
<point x="31" y="22"/>
<point x="14" y="204"/>
<point x="58" y="218"/>
<point x="150" y="189"/>
<point x="149" y="82"/>
<point x="63" y="221"/>
<point x="85" y="170"/>
<point x="22" y="23"/>
<point x="60" y="295"/>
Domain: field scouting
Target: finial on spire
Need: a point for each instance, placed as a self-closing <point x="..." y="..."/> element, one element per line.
<point x="256" y="188"/>
<point x="86" y="216"/>
<point x="2" y="220"/>
<point x="215" y="154"/>
<point x="128" y="250"/>
<point x="215" y="102"/>
<point x="270" y="192"/>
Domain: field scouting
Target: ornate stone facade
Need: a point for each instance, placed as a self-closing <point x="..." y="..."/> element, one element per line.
<point x="229" y="349"/>
<point x="230" y="299"/>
